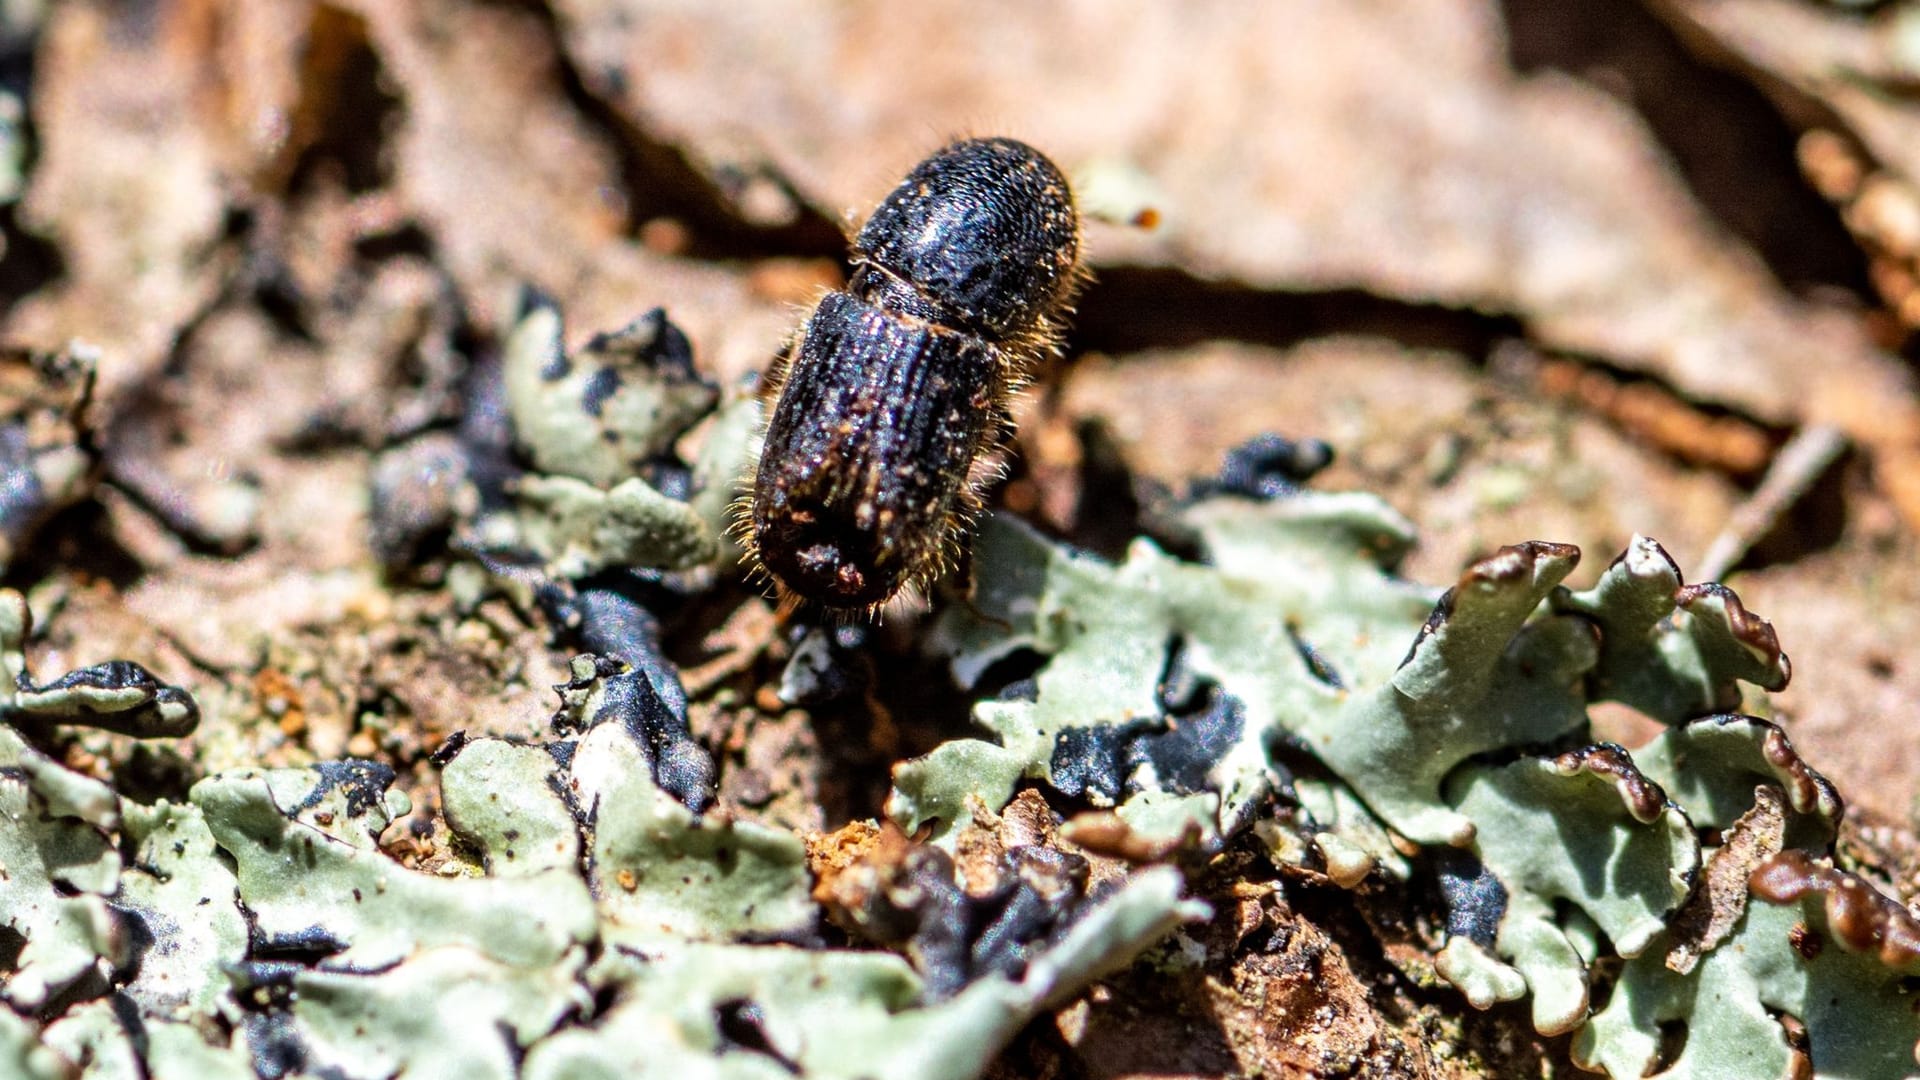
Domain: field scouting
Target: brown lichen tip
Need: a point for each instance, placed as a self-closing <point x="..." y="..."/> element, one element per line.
<point x="1643" y="798"/>
<point x="1750" y="630"/>
<point x="1808" y="792"/>
<point x="1860" y="917"/>
<point x="1513" y="563"/>
<point x="1104" y="832"/>
<point x="1517" y="561"/>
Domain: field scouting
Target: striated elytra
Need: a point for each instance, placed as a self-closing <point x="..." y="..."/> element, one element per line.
<point x="898" y="385"/>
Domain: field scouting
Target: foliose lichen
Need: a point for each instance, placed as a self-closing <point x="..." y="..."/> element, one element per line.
<point x="597" y="914"/>
<point x="1455" y="726"/>
<point x="60" y="867"/>
<point x="600" y="918"/>
<point x="602" y="928"/>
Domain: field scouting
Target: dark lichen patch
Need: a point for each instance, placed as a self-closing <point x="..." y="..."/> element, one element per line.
<point x="275" y="1046"/>
<point x="628" y="681"/>
<point x="485" y="435"/>
<point x="359" y="787"/>
<point x="1317" y="663"/>
<point x="1474" y="899"/>
<point x="1106" y="762"/>
<point x="1038" y="898"/>
<point x="1091" y="762"/>
<point x="601" y="385"/>
<point x="742" y="1027"/>
<point x="651" y="343"/>
<point x="23" y="499"/>
<point x="681" y="766"/>
<point x="610" y="623"/>
<point x="825" y="666"/>
<point x="1181" y="758"/>
<point x="303" y="947"/>
<point x="1011" y="889"/>
<point x="1267" y="467"/>
<point x="1180" y="684"/>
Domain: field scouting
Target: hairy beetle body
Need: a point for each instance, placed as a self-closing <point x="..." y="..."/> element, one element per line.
<point x="898" y="385"/>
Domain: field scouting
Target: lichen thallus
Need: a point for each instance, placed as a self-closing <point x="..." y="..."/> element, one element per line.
<point x="897" y="388"/>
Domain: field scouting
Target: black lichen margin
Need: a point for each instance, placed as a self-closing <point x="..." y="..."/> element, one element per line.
<point x="1267" y="467"/>
<point x="362" y="783"/>
<point x="640" y="688"/>
<point x="899" y="384"/>
<point x="955" y="937"/>
<point x="118" y="696"/>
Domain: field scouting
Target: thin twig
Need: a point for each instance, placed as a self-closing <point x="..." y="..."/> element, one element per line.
<point x="1798" y="464"/>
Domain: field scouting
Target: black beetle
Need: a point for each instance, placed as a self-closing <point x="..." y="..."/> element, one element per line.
<point x="898" y="385"/>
